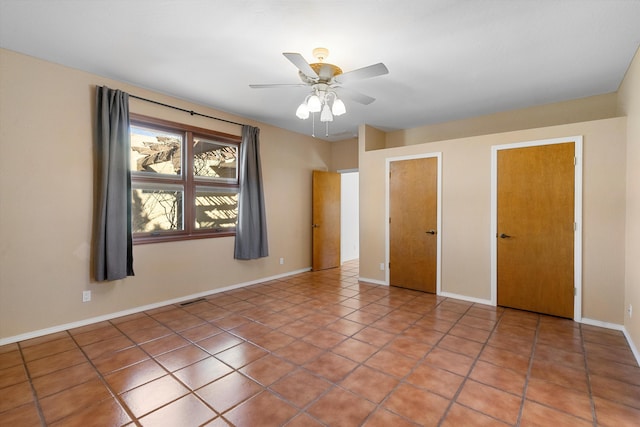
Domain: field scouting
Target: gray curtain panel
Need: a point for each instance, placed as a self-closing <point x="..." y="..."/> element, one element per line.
<point x="251" y="232"/>
<point x="113" y="251"/>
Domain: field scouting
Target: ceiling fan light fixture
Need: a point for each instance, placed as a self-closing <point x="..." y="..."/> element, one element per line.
<point x="323" y="78"/>
<point x="326" y="115"/>
<point x="303" y="111"/>
<point x="314" y="104"/>
<point x="338" y="107"/>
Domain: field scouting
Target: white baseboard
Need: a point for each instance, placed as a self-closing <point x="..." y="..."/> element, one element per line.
<point x="634" y="349"/>
<point x="602" y="324"/>
<point x="616" y="327"/>
<point x="85" y="322"/>
<point x="373" y="281"/>
<point x="465" y="298"/>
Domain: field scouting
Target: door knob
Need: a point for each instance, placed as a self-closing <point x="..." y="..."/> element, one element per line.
<point x="504" y="236"/>
<point x="431" y="232"/>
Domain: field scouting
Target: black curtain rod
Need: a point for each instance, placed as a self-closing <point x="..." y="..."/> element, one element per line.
<point x="193" y="113"/>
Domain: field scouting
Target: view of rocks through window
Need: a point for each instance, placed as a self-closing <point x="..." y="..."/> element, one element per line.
<point x="158" y="206"/>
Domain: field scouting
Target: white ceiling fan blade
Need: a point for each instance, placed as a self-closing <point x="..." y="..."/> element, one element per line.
<point x="270" y="86"/>
<point x="302" y="64"/>
<point x="354" y="95"/>
<point x="374" y="70"/>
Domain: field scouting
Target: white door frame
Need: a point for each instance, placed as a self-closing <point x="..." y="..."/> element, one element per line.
<point x="438" y="156"/>
<point x="577" y="240"/>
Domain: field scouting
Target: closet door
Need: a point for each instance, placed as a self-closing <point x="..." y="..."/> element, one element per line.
<point x="413" y="216"/>
<point x="535" y="239"/>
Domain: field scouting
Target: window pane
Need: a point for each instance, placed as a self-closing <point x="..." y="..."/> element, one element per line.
<point x="216" y="209"/>
<point x="155" y="151"/>
<point x="215" y="159"/>
<point x="155" y="210"/>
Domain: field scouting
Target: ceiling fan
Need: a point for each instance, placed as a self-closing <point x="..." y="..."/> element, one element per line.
<point x="325" y="81"/>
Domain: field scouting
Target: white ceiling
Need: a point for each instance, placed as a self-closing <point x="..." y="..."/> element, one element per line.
<point x="447" y="59"/>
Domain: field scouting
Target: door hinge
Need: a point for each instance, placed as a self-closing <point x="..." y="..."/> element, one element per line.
<point x="389" y="220"/>
<point x="575" y="226"/>
<point x="575" y="291"/>
<point x="575" y="161"/>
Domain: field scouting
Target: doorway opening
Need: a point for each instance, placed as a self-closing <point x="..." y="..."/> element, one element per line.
<point x="349" y="216"/>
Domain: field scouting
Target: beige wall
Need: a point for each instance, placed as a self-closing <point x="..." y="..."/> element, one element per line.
<point x="577" y="110"/>
<point x="344" y="155"/>
<point x="466" y="209"/>
<point x="46" y="194"/>
<point x="630" y="105"/>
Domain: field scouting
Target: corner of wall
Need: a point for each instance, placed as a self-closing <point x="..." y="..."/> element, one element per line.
<point x="372" y="138"/>
<point x="629" y="105"/>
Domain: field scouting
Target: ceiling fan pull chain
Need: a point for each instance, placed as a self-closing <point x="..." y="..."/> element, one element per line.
<point x="313" y="125"/>
<point x="327" y="129"/>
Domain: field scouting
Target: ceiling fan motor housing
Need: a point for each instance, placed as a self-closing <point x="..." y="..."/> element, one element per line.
<point x="325" y="72"/>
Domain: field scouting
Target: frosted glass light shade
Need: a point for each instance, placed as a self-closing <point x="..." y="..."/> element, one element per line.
<point x="314" y="104"/>
<point x="303" y="111"/>
<point x="338" y="108"/>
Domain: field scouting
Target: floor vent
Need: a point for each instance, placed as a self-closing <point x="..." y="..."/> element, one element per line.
<point x="193" y="301"/>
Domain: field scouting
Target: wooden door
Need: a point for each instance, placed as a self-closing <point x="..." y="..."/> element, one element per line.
<point x="413" y="216"/>
<point x="326" y="220"/>
<point x="535" y="240"/>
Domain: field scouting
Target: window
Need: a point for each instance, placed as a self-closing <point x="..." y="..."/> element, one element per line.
<point x="184" y="181"/>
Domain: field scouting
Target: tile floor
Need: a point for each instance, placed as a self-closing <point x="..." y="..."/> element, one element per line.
<point x="321" y="349"/>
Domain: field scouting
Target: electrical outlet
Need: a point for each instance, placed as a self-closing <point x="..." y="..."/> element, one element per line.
<point x="86" y="296"/>
<point x="281" y="261"/>
<point x="382" y="266"/>
<point x="630" y="311"/>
